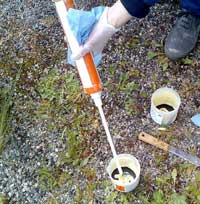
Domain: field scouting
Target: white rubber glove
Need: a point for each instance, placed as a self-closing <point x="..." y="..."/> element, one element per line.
<point x="111" y="20"/>
<point x="98" y="38"/>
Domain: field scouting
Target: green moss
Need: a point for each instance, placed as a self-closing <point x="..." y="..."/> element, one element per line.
<point x="111" y="198"/>
<point x="132" y="107"/>
<point x="130" y="87"/>
<point x="168" y="185"/>
<point x="187" y="61"/>
<point x="91" y="186"/>
<point x="112" y="70"/>
<point x="90" y="174"/>
<point x="51" y="178"/>
<point x="47" y="178"/>
<point x="143" y="94"/>
<point x="133" y="42"/>
<point x="105" y="184"/>
<point x="4" y="199"/>
<point x="85" y="193"/>
<point x="158" y="197"/>
<point x="79" y="195"/>
<point x="160" y="59"/>
<point x="74" y="149"/>
<point x="6" y="102"/>
<point x="134" y="72"/>
<point x="62" y="101"/>
<point x="176" y="198"/>
<point x="160" y="157"/>
<point x="56" y="87"/>
<point x="52" y="201"/>
<point x="124" y="199"/>
<point x="64" y="178"/>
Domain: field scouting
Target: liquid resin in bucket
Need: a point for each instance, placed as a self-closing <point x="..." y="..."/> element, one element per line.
<point x="127" y="177"/>
<point x="165" y="107"/>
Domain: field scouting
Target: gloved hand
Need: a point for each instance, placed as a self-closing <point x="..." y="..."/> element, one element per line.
<point x="111" y="20"/>
<point x="98" y="38"/>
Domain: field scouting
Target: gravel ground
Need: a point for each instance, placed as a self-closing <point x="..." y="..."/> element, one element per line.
<point x="32" y="41"/>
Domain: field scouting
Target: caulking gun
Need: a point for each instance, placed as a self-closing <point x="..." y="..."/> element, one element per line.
<point x="86" y="68"/>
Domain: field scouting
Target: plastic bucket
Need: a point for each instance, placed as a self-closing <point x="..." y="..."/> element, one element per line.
<point x="165" y="103"/>
<point x="129" y="161"/>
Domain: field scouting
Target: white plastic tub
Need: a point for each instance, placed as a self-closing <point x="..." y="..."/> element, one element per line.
<point x="125" y="160"/>
<point x="167" y="96"/>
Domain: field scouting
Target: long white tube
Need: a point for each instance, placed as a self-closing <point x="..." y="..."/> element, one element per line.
<point x="110" y="139"/>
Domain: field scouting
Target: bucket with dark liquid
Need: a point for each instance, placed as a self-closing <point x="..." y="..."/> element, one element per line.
<point x="165" y="103"/>
<point x="131" y="167"/>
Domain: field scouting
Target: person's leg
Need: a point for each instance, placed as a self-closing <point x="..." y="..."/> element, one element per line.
<point x="184" y="35"/>
<point x="151" y="2"/>
<point x="192" y="6"/>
